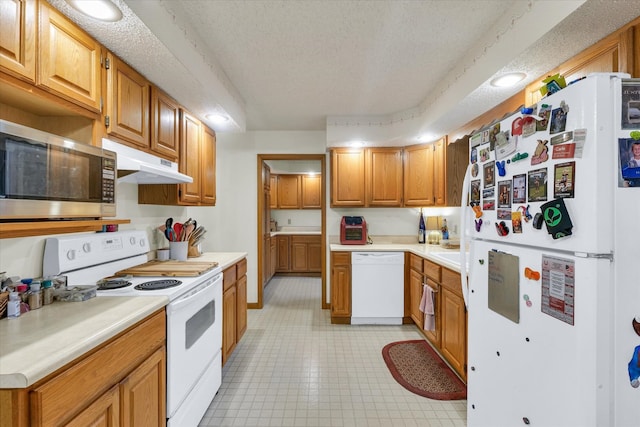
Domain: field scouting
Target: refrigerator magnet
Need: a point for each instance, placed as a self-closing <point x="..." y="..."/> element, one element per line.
<point x="542" y="152"/>
<point x="557" y="219"/>
<point x="516" y="221"/>
<point x="558" y="288"/>
<point x="528" y="126"/>
<point x="544" y="113"/>
<point x="537" y="183"/>
<point x="519" y="188"/>
<point x="558" y="121"/>
<point x="636" y="325"/>
<point x="564" y="180"/>
<point x="634" y="368"/>
<point x="504" y="194"/>
<point x="475" y="192"/>
<point x="474" y="170"/>
<point x="488" y="172"/>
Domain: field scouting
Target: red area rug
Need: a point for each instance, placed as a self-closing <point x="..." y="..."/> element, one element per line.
<point x="419" y="369"/>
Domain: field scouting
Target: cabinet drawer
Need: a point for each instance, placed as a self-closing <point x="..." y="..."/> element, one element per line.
<point x="242" y="265"/>
<point x="432" y="270"/>
<point x="341" y="258"/>
<point x="305" y="239"/>
<point x="451" y="280"/>
<point x="415" y="262"/>
<point x="229" y="277"/>
<point x="55" y="403"/>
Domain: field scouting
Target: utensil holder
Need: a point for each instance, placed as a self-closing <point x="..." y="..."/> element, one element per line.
<point x="178" y="250"/>
<point x="163" y="254"/>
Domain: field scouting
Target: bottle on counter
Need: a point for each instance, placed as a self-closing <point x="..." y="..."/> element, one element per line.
<point x="35" y="295"/>
<point x="422" y="229"/>
<point x="47" y="292"/>
<point x="445" y="229"/>
<point x="13" y="307"/>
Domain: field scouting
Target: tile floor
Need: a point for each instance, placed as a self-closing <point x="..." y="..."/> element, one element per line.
<point x="293" y="368"/>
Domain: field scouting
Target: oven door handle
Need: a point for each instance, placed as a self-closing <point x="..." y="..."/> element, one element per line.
<point x="193" y="295"/>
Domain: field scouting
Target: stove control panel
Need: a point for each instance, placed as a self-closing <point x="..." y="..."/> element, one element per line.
<point x="67" y="253"/>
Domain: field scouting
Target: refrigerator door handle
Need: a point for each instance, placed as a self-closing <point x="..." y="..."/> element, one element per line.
<point x="464" y="221"/>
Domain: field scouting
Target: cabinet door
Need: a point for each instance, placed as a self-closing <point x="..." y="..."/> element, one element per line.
<point x="457" y="158"/>
<point x="415" y="288"/>
<point x="273" y="189"/>
<point x="229" y="327"/>
<point x="68" y="60"/>
<point x="190" y="134"/>
<point x="314" y="253"/>
<point x="103" y="412"/>
<point x="241" y="307"/>
<point x="340" y="287"/>
<point x="128" y="101"/>
<point x="208" y="167"/>
<point x="283" y="254"/>
<point x="418" y="176"/>
<point x="143" y="393"/>
<point x="439" y="178"/>
<point x="299" y="261"/>
<point x="165" y="125"/>
<point x="289" y="191"/>
<point x="384" y="177"/>
<point x="347" y="177"/>
<point x="274" y="256"/>
<point x="311" y="191"/>
<point x="453" y="329"/>
<point x="18" y="38"/>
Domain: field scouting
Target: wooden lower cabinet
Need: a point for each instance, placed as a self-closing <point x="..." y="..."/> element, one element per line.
<point x="299" y="254"/>
<point x="273" y="257"/>
<point x="234" y="307"/>
<point x="121" y="383"/>
<point x="282" y="243"/>
<point x="341" y="287"/>
<point x="450" y="334"/>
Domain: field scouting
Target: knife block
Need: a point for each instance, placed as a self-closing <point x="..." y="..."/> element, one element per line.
<point x="194" y="252"/>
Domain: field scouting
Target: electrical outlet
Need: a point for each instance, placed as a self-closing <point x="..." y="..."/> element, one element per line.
<point x="289" y="221"/>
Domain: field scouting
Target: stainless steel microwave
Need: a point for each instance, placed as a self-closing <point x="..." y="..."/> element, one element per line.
<point x="48" y="176"/>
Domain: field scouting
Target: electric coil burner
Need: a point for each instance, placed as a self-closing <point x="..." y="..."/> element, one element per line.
<point x="108" y="284"/>
<point x="157" y="284"/>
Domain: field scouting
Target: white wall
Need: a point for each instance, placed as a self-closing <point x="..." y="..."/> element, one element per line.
<point x="297" y="217"/>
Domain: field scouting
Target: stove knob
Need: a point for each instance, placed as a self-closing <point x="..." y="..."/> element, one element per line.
<point x="71" y="254"/>
<point x="132" y="240"/>
<point x="142" y="243"/>
<point x="86" y="248"/>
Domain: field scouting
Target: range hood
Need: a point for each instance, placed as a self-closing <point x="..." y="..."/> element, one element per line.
<point x="143" y="168"/>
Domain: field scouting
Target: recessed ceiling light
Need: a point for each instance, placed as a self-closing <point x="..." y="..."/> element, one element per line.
<point x="218" y="118"/>
<point x="356" y="144"/>
<point x="507" y="80"/>
<point x="104" y="10"/>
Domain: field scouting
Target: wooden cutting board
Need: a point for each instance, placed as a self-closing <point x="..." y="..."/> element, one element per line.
<point x="169" y="268"/>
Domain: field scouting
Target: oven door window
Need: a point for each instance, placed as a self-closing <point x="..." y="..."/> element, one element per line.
<point x="198" y="324"/>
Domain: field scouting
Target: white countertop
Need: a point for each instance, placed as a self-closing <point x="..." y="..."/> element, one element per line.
<point x="224" y="259"/>
<point x="41" y="341"/>
<point x="287" y="230"/>
<point x="423" y="250"/>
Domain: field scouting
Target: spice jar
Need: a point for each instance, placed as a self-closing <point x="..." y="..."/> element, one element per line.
<point x="35" y="296"/>
<point x="47" y="292"/>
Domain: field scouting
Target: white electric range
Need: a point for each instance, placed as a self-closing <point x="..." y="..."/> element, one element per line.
<point x="194" y="312"/>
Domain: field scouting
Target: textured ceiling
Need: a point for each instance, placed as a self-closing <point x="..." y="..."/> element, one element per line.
<point x="382" y="71"/>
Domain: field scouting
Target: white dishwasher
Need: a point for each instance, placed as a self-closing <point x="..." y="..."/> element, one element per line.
<point x="377" y="288"/>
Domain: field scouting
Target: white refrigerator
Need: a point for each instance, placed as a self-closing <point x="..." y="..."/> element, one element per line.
<point x="553" y="237"/>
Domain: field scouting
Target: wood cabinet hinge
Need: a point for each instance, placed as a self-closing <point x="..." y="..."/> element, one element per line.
<point x="101" y="104"/>
<point x="107" y="121"/>
<point x="107" y="63"/>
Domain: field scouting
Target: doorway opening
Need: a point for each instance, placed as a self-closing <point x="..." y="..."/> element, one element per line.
<point x="310" y="212"/>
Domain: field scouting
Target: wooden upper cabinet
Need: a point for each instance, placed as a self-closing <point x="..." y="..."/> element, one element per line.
<point x="190" y="134"/>
<point x="289" y="191"/>
<point x="68" y="60"/>
<point x="439" y="177"/>
<point x="18" y="38"/>
<point x="384" y="177"/>
<point x="165" y="125"/>
<point x="347" y="177"/>
<point x="311" y="191"/>
<point x="208" y="167"/>
<point x="273" y="189"/>
<point x="127" y="104"/>
<point x="457" y="159"/>
<point x="418" y="175"/>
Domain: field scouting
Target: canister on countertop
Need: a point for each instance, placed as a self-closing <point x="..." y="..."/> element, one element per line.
<point x="13" y="308"/>
<point x="35" y="295"/>
<point x="47" y="292"/>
